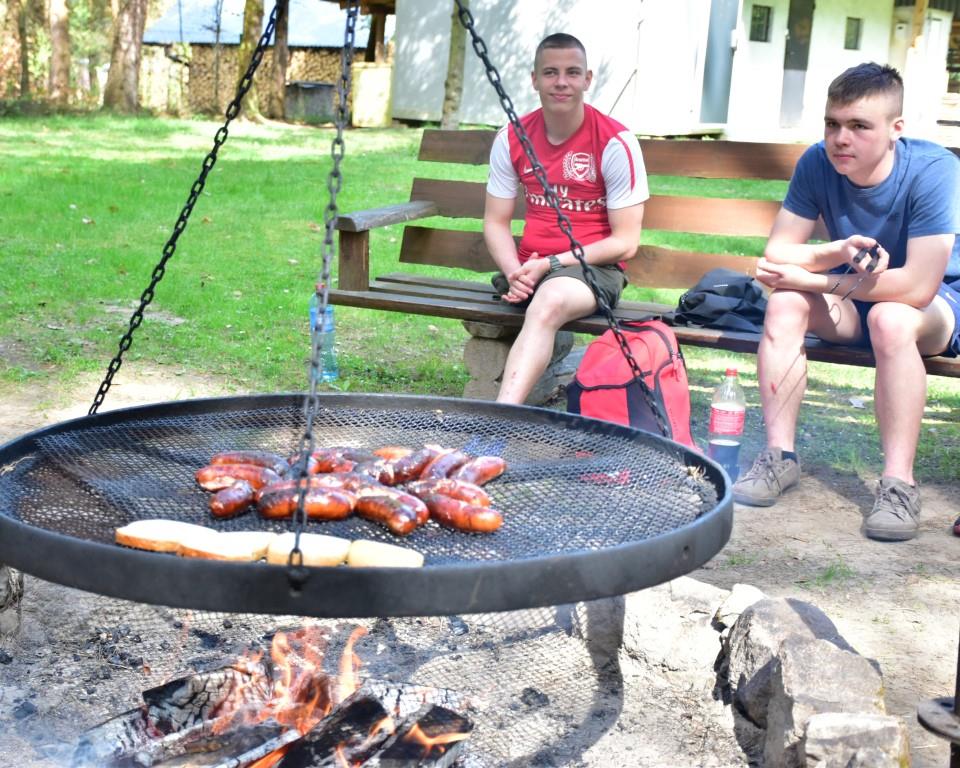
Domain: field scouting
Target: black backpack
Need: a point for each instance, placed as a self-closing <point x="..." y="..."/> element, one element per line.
<point x="723" y="298"/>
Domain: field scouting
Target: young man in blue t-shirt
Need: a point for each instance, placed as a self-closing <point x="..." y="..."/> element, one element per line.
<point x="891" y="206"/>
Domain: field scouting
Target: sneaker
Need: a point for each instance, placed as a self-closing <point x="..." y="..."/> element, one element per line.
<point x="956" y="527"/>
<point x="894" y="515"/>
<point x="770" y="475"/>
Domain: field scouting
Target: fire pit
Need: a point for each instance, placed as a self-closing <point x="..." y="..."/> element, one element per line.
<point x="591" y="508"/>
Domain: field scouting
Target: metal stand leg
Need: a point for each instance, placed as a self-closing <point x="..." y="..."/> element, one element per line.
<point x="942" y="717"/>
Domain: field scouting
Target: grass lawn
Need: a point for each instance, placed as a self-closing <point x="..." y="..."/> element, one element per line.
<point x="87" y="204"/>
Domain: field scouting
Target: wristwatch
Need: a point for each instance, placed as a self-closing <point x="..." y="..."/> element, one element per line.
<point x="554" y="264"/>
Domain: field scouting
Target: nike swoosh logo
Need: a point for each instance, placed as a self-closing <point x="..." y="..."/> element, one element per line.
<point x="527" y="170"/>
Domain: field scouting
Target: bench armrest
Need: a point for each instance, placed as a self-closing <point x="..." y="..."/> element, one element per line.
<point x="361" y="221"/>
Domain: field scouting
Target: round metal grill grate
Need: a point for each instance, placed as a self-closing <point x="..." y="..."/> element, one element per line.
<point x="582" y="501"/>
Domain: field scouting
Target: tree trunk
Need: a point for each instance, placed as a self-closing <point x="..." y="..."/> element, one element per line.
<point x="281" y="60"/>
<point x="122" y="91"/>
<point x="59" y="52"/>
<point x="22" y="31"/>
<point x="252" y="25"/>
<point x="375" y="50"/>
<point x="453" y="86"/>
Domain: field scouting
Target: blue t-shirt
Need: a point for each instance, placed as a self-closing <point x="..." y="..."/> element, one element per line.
<point x="920" y="197"/>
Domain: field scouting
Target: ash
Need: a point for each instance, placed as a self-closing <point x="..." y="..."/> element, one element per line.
<point x="547" y="687"/>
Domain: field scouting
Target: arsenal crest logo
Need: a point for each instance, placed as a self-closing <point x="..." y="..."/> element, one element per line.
<point x="579" y="166"/>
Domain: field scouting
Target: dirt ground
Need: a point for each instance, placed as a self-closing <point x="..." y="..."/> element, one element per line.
<point x="896" y="603"/>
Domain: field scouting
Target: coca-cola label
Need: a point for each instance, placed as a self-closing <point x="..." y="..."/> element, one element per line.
<point x="726" y="421"/>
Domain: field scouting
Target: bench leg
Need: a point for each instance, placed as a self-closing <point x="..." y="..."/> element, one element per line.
<point x="485" y="355"/>
<point x="11" y="592"/>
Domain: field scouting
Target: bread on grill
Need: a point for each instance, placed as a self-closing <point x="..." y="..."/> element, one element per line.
<point x="227" y="545"/>
<point x="159" y="535"/>
<point x="376" y="554"/>
<point x="318" y="549"/>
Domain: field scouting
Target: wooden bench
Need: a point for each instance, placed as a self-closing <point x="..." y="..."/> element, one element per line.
<point x="493" y="324"/>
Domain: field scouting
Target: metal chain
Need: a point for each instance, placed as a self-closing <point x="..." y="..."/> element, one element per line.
<point x="297" y="574"/>
<point x="171" y="245"/>
<point x="480" y="47"/>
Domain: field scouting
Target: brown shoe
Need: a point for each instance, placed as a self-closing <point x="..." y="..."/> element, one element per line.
<point x="770" y="475"/>
<point x="895" y="513"/>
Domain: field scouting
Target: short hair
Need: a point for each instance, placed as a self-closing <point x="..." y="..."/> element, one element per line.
<point x="868" y="79"/>
<point x="558" y="40"/>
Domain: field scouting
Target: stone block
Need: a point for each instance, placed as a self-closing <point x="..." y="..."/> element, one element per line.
<point x="855" y="740"/>
<point x="754" y="641"/>
<point x="11" y="594"/>
<point x="741" y="597"/>
<point x="812" y="677"/>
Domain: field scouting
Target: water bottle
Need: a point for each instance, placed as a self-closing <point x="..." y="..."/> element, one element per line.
<point x="328" y="352"/>
<point x="727" y="415"/>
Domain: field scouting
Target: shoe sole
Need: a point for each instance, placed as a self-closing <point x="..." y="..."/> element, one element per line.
<point x="748" y="501"/>
<point x="889" y="535"/>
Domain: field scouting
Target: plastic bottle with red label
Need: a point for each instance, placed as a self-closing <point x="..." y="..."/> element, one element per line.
<point x="728" y="411"/>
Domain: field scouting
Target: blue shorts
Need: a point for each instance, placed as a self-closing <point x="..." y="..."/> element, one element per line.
<point x="948" y="291"/>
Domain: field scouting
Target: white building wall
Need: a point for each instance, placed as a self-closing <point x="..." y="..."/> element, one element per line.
<point x="924" y="68"/>
<point x="645" y="55"/>
<point x="758" y="67"/>
<point x="757" y="76"/>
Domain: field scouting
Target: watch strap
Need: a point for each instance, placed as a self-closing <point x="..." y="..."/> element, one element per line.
<point x="554" y="263"/>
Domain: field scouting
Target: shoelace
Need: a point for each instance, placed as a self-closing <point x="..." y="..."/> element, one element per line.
<point x="764" y="466"/>
<point x="897" y="499"/>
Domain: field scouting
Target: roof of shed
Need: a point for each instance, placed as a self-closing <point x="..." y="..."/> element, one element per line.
<point x="313" y="24"/>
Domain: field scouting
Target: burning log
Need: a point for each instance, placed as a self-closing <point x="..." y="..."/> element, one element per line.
<point x="433" y="738"/>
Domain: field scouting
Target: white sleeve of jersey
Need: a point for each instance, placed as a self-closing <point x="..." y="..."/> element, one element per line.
<point x="503" y="180"/>
<point x="624" y="174"/>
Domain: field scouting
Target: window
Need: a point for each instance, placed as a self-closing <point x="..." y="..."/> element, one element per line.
<point x="851" y="38"/>
<point x="760" y="16"/>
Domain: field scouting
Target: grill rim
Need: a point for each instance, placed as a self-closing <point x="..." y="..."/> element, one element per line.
<point x="438" y="590"/>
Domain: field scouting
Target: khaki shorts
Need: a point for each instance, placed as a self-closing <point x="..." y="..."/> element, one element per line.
<point x="610" y="280"/>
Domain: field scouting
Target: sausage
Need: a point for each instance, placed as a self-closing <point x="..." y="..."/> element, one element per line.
<point x="266" y="459"/>
<point x="319" y="503"/>
<point x="231" y="501"/>
<point x="444" y="464"/>
<point x="380" y="470"/>
<point x="456" y="514"/>
<point x="329" y="460"/>
<point x="218" y="476"/>
<point x="389" y="511"/>
<point x="410" y="466"/>
<point x="392" y="452"/>
<point x="480" y="470"/>
<point x="455" y="489"/>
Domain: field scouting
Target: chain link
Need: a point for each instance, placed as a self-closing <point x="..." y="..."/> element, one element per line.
<point x="480" y="48"/>
<point x="171" y="245"/>
<point x="297" y="573"/>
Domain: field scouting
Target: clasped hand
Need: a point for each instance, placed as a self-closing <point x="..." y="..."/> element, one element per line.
<point x="857" y="252"/>
<point x="523" y="280"/>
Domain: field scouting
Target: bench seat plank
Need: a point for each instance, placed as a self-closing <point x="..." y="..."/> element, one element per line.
<point x="462" y="300"/>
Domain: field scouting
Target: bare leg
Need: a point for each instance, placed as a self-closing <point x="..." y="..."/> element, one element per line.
<point x="782" y="361"/>
<point x="556" y="302"/>
<point x="899" y="334"/>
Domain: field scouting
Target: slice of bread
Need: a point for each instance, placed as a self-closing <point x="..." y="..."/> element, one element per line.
<point x="318" y="549"/>
<point x="227" y="545"/>
<point x="376" y="554"/>
<point x="158" y="535"/>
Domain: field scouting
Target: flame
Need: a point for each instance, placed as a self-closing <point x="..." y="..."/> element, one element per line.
<point x="416" y="734"/>
<point x="350" y="664"/>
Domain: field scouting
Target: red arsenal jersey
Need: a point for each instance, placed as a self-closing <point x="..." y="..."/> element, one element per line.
<point x="600" y="167"/>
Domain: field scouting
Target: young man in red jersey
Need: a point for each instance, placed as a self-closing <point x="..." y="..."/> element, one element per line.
<point x="594" y="165"/>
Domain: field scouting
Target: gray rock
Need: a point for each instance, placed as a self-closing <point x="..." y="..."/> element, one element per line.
<point x="741" y="597"/>
<point x="855" y="740"/>
<point x="11" y="593"/>
<point x="752" y="645"/>
<point x="813" y="677"/>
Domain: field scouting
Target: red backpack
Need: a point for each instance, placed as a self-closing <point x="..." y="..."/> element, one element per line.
<point x="604" y="386"/>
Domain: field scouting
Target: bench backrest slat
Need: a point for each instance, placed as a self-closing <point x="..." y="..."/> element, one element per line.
<point x="652" y="266"/>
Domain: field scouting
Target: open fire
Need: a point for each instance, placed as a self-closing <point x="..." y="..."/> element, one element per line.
<point x="284" y="709"/>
